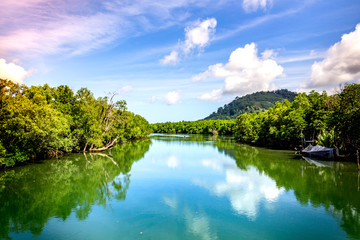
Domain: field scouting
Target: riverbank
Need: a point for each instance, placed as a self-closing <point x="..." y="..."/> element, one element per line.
<point x="41" y="121"/>
<point x="330" y="121"/>
<point x="174" y="187"/>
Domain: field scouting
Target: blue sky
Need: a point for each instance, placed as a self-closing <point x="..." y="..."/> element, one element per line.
<point x="176" y="60"/>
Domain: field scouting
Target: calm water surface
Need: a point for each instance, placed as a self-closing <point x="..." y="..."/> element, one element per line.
<point x="171" y="187"/>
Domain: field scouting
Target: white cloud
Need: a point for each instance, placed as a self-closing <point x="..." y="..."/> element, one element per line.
<point x="170" y="98"/>
<point x="12" y="71"/>
<point x="34" y="28"/>
<point x="125" y="89"/>
<point x="173" y="97"/>
<point x="300" y="56"/>
<point x="171" y="59"/>
<point x="341" y="64"/>
<point x="268" y="54"/>
<point x="254" y="5"/>
<point x="244" y="73"/>
<point x="154" y="99"/>
<point x="197" y="36"/>
<point x="63" y="36"/>
<point x="215" y="95"/>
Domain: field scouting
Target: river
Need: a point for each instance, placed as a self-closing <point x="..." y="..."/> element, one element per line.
<point x="180" y="187"/>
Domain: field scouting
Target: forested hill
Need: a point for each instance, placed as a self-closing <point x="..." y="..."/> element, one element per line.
<point x="255" y="102"/>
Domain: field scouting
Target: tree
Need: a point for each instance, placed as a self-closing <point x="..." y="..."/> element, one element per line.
<point x="346" y="115"/>
<point x="41" y="121"/>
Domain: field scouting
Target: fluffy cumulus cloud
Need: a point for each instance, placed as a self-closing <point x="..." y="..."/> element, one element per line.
<point x="173" y="97"/>
<point x="244" y="73"/>
<point x="341" y="64"/>
<point x="197" y="37"/>
<point x="12" y="71"/>
<point x="254" y="5"/>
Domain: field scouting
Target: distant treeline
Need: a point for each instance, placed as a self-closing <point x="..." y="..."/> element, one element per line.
<point x="329" y="120"/>
<point x="255" y="102"/>
<point x="42" y="121"/>
<point x="222" y="127"/>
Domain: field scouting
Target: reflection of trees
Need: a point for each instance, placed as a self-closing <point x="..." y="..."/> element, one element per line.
<point x="336" y="189"/>
<point x="190" y="139"/>
<point x="31" y="195"/>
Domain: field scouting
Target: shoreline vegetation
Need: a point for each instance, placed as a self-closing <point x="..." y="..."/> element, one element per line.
<point x="41" y="121"/>
<point x="330" y="121"/>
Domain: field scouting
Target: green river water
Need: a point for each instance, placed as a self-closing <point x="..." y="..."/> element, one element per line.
<point x="176" y="187"/>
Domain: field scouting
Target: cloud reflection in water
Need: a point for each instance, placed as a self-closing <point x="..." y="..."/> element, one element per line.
<point x="197" y="224"/>
<point x="173" y="162"/>
<point x="245" y="189"/>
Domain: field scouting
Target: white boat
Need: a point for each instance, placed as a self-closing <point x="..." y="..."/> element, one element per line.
<point x="319" y="151"/>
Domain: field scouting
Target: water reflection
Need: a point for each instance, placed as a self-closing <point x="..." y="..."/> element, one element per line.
<point x="244" y="189"/>
<point x="197" y="223"/>
<point x="336" y="189"/>
<point x="197" y="187"/>
<point x="263" y="175"/>
<point x="173" y="162"/>
<point x="30" y="195"/>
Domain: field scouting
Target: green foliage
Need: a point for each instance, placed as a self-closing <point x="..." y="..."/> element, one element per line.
<point x="345" y="117"/>
<point x="41" y="121"/>
<point x="280" y="126"/>
<point x="55" y="189"/>
<point x="330" y="120"/>
<point x="331" y="188"/>
<point x="215" y="127"/>
<point x="327" y="138"/>
<point x="255" y="102"/>
<point x="247" y="127"/>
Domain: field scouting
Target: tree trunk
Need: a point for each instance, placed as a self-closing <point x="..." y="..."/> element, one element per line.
<point x="357" y="157"/>
<point x="111" y="144"/>
<point x="84" y="150"/>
